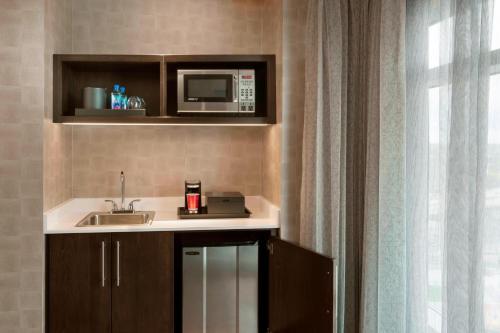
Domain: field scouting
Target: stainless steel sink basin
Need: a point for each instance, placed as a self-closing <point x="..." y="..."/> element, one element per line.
<point x="103" y="219"/>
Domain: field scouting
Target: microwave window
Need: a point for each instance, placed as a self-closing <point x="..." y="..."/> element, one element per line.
<point x="208" y="88"/>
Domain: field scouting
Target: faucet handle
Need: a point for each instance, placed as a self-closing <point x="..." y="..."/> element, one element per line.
<point x="115" y="207"/>
<point x="131" y="204"/>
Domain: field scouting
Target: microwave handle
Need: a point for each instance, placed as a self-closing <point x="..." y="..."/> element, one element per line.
<point x="235" y="88"/>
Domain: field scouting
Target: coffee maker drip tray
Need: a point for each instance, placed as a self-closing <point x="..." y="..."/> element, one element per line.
<point x="183" y="213"/>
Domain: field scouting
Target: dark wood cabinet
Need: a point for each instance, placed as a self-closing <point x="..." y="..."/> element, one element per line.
<point x="78" y="283"/>
<point x="120" y="282"/>
<point x="142" y="296"/>
<point x="153" y="77"/>
<point x="126" y="282"/>
<point x="300" y="289"/>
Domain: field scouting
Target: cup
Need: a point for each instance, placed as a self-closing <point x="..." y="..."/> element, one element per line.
<point x="94" y="98"/>
<point x="136" y="103"/>
<point x="192" y="202"/>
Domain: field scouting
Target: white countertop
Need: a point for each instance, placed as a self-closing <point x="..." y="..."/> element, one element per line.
<point x="63" y="218"/>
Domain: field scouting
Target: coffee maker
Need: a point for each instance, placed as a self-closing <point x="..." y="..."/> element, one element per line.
<point x="192" y="196"/>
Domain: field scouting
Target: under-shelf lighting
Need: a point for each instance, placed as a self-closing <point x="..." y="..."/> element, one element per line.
<point x="162" y="124"/>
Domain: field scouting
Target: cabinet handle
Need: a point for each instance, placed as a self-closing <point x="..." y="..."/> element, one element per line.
<point x="117" y="263"/>
<point x="103" y="263"/>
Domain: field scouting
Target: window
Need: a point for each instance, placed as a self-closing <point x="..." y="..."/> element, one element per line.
<point x="433" y="47"/>
<point x="438" y="99"/>
<point x="491" y="250"/>
<point x="495" y="42"/>
<point x="434" y="223"/>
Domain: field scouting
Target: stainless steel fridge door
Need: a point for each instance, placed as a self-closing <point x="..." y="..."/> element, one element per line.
<point x="193" y="290"/>
<point x="248" y="269"/>
<point x="220" y="289"/>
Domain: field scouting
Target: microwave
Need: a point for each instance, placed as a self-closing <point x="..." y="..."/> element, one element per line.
<point x="216" y="91"/>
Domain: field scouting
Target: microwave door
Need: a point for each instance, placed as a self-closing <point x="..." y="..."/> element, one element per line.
<point x="207" y="91"/>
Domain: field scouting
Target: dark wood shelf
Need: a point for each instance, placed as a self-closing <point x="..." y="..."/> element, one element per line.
<point x="265" y="74"/>
<point x="150" y="77"/>
<point x="165" y="120"/>
<point x="142" y="75"/>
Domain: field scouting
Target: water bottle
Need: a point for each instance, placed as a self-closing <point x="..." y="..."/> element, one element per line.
<point x="116" y="101"/>
<point x="124" y="98"/>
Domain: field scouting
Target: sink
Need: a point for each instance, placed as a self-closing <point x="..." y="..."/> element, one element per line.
<point x="103" y="219"/>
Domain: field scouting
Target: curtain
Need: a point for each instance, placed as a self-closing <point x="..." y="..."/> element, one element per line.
<point x="383" y="282"/>
<point x="375" y="230"/>
<point x="448" y="74"/>
<point x="322" y="147"/>
<point x="354" y="87"/>
<point x="322" y="198"/>
<point x="397" y="156"/>
<point x="351" y="176"/>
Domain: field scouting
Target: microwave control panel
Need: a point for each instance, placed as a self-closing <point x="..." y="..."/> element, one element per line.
<point x="246" y="87"/>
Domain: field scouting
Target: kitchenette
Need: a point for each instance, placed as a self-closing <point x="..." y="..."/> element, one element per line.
<point x="162" y="171"/>
<point x="211" y="263"/>
<point x="208" y="260"/>
<point x="159" y="264"/>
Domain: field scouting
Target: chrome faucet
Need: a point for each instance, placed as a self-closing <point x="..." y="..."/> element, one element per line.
<point x="122" y="209"/>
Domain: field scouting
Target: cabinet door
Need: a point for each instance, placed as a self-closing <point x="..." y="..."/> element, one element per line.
<point x="78" y="284"/>
<point x="300" y="289"/>
<point x="142" y="296"/>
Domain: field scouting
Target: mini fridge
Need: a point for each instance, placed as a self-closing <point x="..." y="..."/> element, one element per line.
<point x="220" y="289"/>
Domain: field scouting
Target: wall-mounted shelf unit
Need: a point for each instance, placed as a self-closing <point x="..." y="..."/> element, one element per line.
<point x="141" y="75"/>
<point x="153" y="77"/>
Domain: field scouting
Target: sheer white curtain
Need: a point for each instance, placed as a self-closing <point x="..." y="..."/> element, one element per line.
<point x="415" y="176"/>
<point x="453" y="167"/>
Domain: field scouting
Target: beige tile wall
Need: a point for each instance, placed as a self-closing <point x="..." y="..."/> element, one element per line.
<point x="222" y="157"/>
<point x="294" y="22"/>
<point x="157" y="159"/>
<point x="21" y="117"/>
<point x="167" y="26"/>
<point x="272" y="43"/>
<point x="57" y="163"/>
